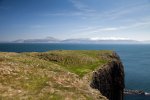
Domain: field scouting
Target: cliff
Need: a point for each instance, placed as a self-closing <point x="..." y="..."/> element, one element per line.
<point x="61" y="75"/>
<point x="109" y="80"/>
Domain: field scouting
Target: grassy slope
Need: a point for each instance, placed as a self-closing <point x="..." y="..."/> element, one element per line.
<point x="53" y="75"/>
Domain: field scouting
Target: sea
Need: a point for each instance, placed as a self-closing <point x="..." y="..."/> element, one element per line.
<point x="135" y="58"/>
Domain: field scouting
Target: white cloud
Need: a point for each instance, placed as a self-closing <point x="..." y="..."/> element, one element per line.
<point x="82" y="10"/>
<point x="109" y="29"/>
<point x="96" y="29"/>
<point x="86" y="12"/>
<point x="107" y="22"/>
<point x="122" y="11"/>
<point x="81" y="6"/>
<point x="109" y="38"/>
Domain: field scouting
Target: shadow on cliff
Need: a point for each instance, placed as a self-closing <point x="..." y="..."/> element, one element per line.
<point x="109" y="80"/>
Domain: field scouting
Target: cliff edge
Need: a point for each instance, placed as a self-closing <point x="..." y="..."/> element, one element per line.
<point x="61" y="75"/>
<point x="109" y="80"/>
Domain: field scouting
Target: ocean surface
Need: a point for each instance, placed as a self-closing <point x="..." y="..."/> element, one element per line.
<point x="136" y="60"/>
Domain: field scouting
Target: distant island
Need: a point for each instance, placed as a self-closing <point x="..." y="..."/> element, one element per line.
<point x="78" y="41"/>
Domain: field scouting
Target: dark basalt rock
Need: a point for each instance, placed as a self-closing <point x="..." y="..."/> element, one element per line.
<point x="109" y="80"/>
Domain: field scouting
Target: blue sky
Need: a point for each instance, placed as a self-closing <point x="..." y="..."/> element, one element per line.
<point x="63" y="19"/>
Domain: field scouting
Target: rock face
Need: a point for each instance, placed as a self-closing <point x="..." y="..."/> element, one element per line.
<point x="109" y="79"/>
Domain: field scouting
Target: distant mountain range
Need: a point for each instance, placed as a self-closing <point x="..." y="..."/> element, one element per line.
<point x="45" y="40"/>
<point x="81" y="41"/>
<point x="100" y="41"/>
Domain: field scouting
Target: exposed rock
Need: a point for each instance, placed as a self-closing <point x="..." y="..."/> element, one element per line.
<point x="109" y="80"/>
<point x="147" y="94"/>
<point x="135" y="92"/>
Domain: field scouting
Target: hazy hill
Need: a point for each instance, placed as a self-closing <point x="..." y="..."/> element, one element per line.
<point x="80" y="40"/>
<point x="45" y="40"/>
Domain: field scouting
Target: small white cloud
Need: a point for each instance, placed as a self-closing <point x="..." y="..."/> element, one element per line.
<point x="98" y="29"/>
<point x="81" y="6"/>
<point x="109" y="29"/>
<point x="109" y="38"/>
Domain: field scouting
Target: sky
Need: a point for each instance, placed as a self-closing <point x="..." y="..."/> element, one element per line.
<point x="65" y="19"/>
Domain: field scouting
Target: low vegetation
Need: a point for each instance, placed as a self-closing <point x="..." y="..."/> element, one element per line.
<point x="78" y="62"/>
<point x="53" y="75"/>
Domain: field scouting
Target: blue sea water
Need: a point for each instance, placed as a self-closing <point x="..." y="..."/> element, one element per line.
<point x="136" y="60"/>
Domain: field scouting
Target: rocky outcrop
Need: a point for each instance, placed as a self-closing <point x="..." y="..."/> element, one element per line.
<point x="109" y="79"/>
<point x="135" y="92"/>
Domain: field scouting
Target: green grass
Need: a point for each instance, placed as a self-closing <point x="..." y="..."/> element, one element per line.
<point x="34" y="83"/>
<point x="79" y="62"/>
<point x="52" y="75"/>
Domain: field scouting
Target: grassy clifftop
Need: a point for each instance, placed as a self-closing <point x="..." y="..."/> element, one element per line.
<point x="53" y="75"/>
